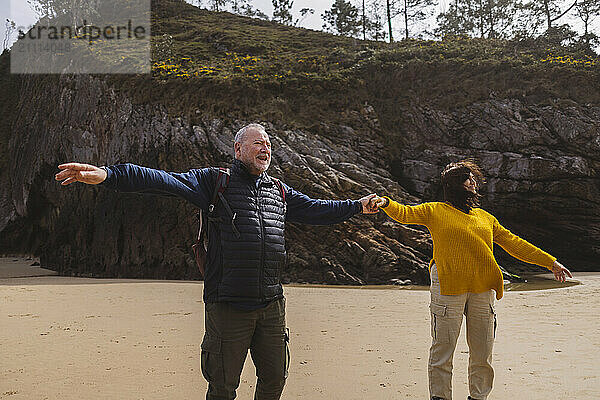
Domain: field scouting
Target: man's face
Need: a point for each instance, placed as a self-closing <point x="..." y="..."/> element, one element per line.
<point x="254" y="151"/>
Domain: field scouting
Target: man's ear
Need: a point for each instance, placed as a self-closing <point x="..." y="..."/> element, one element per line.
<point x="237" y="149"/>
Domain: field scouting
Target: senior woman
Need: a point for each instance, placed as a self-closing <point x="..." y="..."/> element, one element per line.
<point x="464" y="274"/>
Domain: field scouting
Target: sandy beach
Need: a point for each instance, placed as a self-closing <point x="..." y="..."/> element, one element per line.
<point x="79" y="338"/>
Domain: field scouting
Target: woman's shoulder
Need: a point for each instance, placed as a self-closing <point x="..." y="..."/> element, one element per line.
<point x="483" y="213"/>
<point x="436" y="207"/>
<point x="436" y="204"/>
<point x="431" y="204"/>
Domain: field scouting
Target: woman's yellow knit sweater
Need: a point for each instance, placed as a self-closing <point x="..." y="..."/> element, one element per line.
<point x="463" y="245"/>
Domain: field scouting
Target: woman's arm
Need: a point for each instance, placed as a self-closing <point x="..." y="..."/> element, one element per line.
<point x="527" y="252"/>
<point x="419" y="214"/>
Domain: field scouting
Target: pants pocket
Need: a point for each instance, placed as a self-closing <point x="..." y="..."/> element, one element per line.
<point x="211" y="360"/>
<point x="286" y="364"/>
<point x="439" y="324"/>
<point x="493" y="323"/>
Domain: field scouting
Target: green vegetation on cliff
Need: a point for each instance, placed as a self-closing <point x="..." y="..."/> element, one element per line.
<point x="216" y="63"/>
<point x="228" y="65"/>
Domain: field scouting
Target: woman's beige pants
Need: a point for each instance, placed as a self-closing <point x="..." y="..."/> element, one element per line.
<point x="446" y="320"/>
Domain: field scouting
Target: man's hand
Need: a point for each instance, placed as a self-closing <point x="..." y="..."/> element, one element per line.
<point x="560" y="272"/>
<point x="76" y="172"/>
<point x="368" y="204"/>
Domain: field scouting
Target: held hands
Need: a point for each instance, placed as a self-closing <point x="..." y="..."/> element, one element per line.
<point x="371" y="203"/>
<point x="560" y="272"/>
<point x="380" y="202"/>
<point x="76" y="172"/>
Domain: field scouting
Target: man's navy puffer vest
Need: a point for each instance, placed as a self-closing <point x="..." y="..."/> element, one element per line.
<point x="246" y="268"/>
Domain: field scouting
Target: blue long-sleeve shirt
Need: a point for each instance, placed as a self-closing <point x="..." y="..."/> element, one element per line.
<point x="198" y="185"/>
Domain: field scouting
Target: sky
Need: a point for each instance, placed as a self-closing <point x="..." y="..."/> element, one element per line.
<point x="314" y="21"/>
<point x="20" y="12"/>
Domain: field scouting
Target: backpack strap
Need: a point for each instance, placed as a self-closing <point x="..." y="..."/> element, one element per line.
<point x="199" y="247"/>
<point x="220" y="186"/>
<point x="280" y="186"/>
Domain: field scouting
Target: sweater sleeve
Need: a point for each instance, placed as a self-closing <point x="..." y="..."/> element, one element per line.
<point x="194" y="186"/>
<point x="520" y="248"/>
<point x="419" y="214"/>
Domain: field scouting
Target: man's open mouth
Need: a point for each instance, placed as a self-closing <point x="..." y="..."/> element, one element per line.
<point x="263" y="157"/>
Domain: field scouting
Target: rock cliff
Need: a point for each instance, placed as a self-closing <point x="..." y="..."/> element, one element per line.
<point x="94" y="231"/>
<point x="541" y="159"/>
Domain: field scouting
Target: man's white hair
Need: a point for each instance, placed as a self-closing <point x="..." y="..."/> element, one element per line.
<point x="239" y="136"/>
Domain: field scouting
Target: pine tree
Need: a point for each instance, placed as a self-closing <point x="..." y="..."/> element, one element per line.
<point x="390" y="16"/>
<point x="43" y="8"/>
<point x="238" y="5"/>
<point x="414" y="10"/>
<point x="342" y="18"/>
<point x="375" y="20"/>
<point x="282" y="11"/>
<point x="372" y="20"/>
<point x="249" y="11"/>
<point x="547" y="10"/>
<point x="455" y="22"/>
<point x="587" y="11"/>
<point x="217" y="5"/>
<point x="303" y="14"/>
<point x="483" y="18"/>
<point x="364" y="20"/>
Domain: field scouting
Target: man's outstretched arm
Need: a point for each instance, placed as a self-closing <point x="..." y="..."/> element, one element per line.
<point x="301" y="208"/>
<point x="194" y="186"/>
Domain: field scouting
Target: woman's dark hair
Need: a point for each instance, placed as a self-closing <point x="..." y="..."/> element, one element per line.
<point x="453" y="177"/>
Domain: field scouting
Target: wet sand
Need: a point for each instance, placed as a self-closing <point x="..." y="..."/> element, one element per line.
<point x="79" y="338"/>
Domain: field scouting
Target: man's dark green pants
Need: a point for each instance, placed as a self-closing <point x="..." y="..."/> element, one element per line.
<point x="229" y="334"/>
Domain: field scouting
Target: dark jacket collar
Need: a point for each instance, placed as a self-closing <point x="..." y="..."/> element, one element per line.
<point x="239" y="167"/>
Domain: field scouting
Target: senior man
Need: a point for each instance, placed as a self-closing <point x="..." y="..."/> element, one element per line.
<point x="244" y="302"/>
